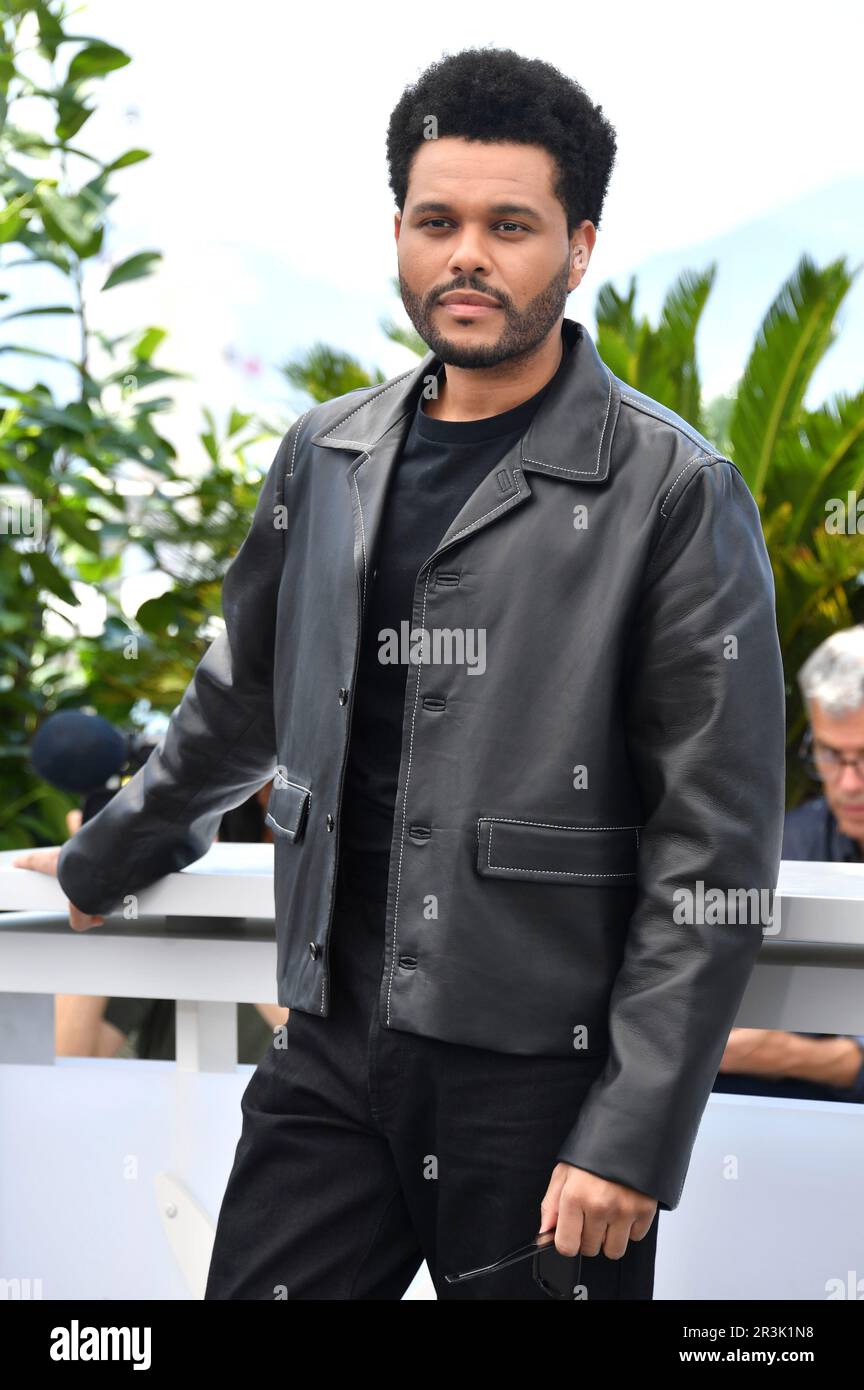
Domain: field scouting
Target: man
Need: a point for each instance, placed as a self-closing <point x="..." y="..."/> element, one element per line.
<point x="830" y="829"/>
<point x="506" y="629"/>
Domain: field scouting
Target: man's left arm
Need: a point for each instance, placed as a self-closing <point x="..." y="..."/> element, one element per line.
<point x="705" y="727"/>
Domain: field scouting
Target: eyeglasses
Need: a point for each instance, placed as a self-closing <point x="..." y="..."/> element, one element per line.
<point x="558" y="1275"/>
<point x="825" y="763"/>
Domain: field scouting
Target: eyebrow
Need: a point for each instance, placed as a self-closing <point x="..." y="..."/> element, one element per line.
<point x="500" y="209"/>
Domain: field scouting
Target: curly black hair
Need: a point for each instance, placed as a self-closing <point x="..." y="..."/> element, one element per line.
<point x="495" y="94"/>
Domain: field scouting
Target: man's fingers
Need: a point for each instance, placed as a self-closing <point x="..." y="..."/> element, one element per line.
<point x="549" y="1205"/>
<point x="558" y="1213"/>
<point x="568" y="1231"/>
<point x="597" y="1216"/>
<point x="594" y="1227"/>
<point x="642" y="1225"/>
<point x="43" y="861"/>
<point x="80" y="921"/>
<point x="618" y="1233"/>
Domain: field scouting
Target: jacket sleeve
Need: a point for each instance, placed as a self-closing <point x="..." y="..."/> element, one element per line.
<point x="220" y="745"/>
<point x="704" y="707"/>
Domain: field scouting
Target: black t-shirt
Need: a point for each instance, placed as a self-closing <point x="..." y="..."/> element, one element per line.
<point x="441" y="464"/>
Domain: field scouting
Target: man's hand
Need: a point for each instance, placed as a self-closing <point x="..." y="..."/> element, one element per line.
<point x="44" y="861"/>
<point x="591" y="1214"/>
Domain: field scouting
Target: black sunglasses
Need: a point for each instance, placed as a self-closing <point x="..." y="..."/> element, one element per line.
<point x="558" y="1275"/>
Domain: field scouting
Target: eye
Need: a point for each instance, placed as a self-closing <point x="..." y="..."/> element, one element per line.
<point x="516" y="226"/>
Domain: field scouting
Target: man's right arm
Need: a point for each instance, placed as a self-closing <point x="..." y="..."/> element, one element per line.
<point x="220" y="745"/>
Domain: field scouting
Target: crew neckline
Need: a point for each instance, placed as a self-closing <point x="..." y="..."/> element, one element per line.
<point x="491" y="426"/>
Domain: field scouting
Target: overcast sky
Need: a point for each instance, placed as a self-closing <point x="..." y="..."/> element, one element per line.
<point x="267" y="190"/>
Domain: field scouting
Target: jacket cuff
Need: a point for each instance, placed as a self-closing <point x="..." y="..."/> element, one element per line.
<point x="83" y="885"/>
<point x="614" y="1146"/>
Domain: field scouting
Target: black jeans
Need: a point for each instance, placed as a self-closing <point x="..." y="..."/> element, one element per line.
<point x="365" y="1150"/>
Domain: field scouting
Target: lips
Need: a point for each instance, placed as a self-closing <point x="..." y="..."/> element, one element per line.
<point x="469" y="297"/>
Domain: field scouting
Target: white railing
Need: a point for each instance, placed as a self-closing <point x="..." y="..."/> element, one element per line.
<point x="73" y="1220"/>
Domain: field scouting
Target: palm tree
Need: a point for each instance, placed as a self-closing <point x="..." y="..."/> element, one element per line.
<point x="801" y="464"/>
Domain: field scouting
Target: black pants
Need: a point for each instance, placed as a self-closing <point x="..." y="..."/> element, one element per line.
<point x="365" y="1150"/>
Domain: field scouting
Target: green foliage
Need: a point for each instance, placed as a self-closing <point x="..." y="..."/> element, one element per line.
<point x="67" y="510"/>
<point x="796" y="460"/>
<point x="660" y="361"/>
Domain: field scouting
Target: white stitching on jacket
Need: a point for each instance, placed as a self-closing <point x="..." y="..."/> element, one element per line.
<point x="362" y="529"/>
<point x="484" y="516"/>
<point x="273" y="821"/>
<point x="565" y="873"/>
<point x="296" y="428"/>
<point x="701" y="457"/>
<point x="584" y="472"/>
<point x="376" y="397"/>
<point x="284" y="782"/>
<point x="688" y="433"/>
<point x="405" y="806"/>
<point x="464" y="531"/>
<point x="547" y="825"/>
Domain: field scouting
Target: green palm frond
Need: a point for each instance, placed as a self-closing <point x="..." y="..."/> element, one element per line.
<point x="324" y="372"/>
<point x="834" y="437"/>
<point x="795" y="334"/>
<point x="660" y="361"/>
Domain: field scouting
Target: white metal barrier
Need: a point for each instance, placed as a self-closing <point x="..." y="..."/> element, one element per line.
<point x="112" y="1170"/>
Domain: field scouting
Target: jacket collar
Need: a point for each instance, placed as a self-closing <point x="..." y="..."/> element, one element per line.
<point x="569" y="437"/>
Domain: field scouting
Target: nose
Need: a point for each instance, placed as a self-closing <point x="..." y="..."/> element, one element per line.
<point x="469" y="256"/>
<point x="850" y="779"/>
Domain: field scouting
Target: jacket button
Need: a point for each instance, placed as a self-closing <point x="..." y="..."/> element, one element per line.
<point x="314" y="950"/>
<point x="330" y="821"/>
<point x="408" y="962"/>
<point x="420" y="832"/>
<point x="343" y="695"/>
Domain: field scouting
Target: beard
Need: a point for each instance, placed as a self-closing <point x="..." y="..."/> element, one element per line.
<point x="521" y="333"/>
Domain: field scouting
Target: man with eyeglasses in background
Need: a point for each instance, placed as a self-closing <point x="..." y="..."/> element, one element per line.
<point x="828" y="829"/>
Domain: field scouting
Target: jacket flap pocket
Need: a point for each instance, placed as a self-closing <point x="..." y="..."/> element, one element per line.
<point x="287" y="808"/>
<point x="604" y="855"/>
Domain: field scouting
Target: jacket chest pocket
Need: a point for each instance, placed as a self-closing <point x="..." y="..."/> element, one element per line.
<point x="605" y="856"/>
<point x="287" y="808"/>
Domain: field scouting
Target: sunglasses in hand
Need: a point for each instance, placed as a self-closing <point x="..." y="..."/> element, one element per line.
<point x="558" y="1275"/>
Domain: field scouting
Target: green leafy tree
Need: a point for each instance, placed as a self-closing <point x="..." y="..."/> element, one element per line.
<point x="800" y="463"/>
<point x="69" y="458"/>
<point x="324" y="372"/>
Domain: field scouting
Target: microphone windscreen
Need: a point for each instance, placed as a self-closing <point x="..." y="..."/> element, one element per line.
<point x="77" y="752"/>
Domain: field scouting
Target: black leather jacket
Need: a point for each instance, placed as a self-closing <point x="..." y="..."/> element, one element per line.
<point x="625" y="740"/>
